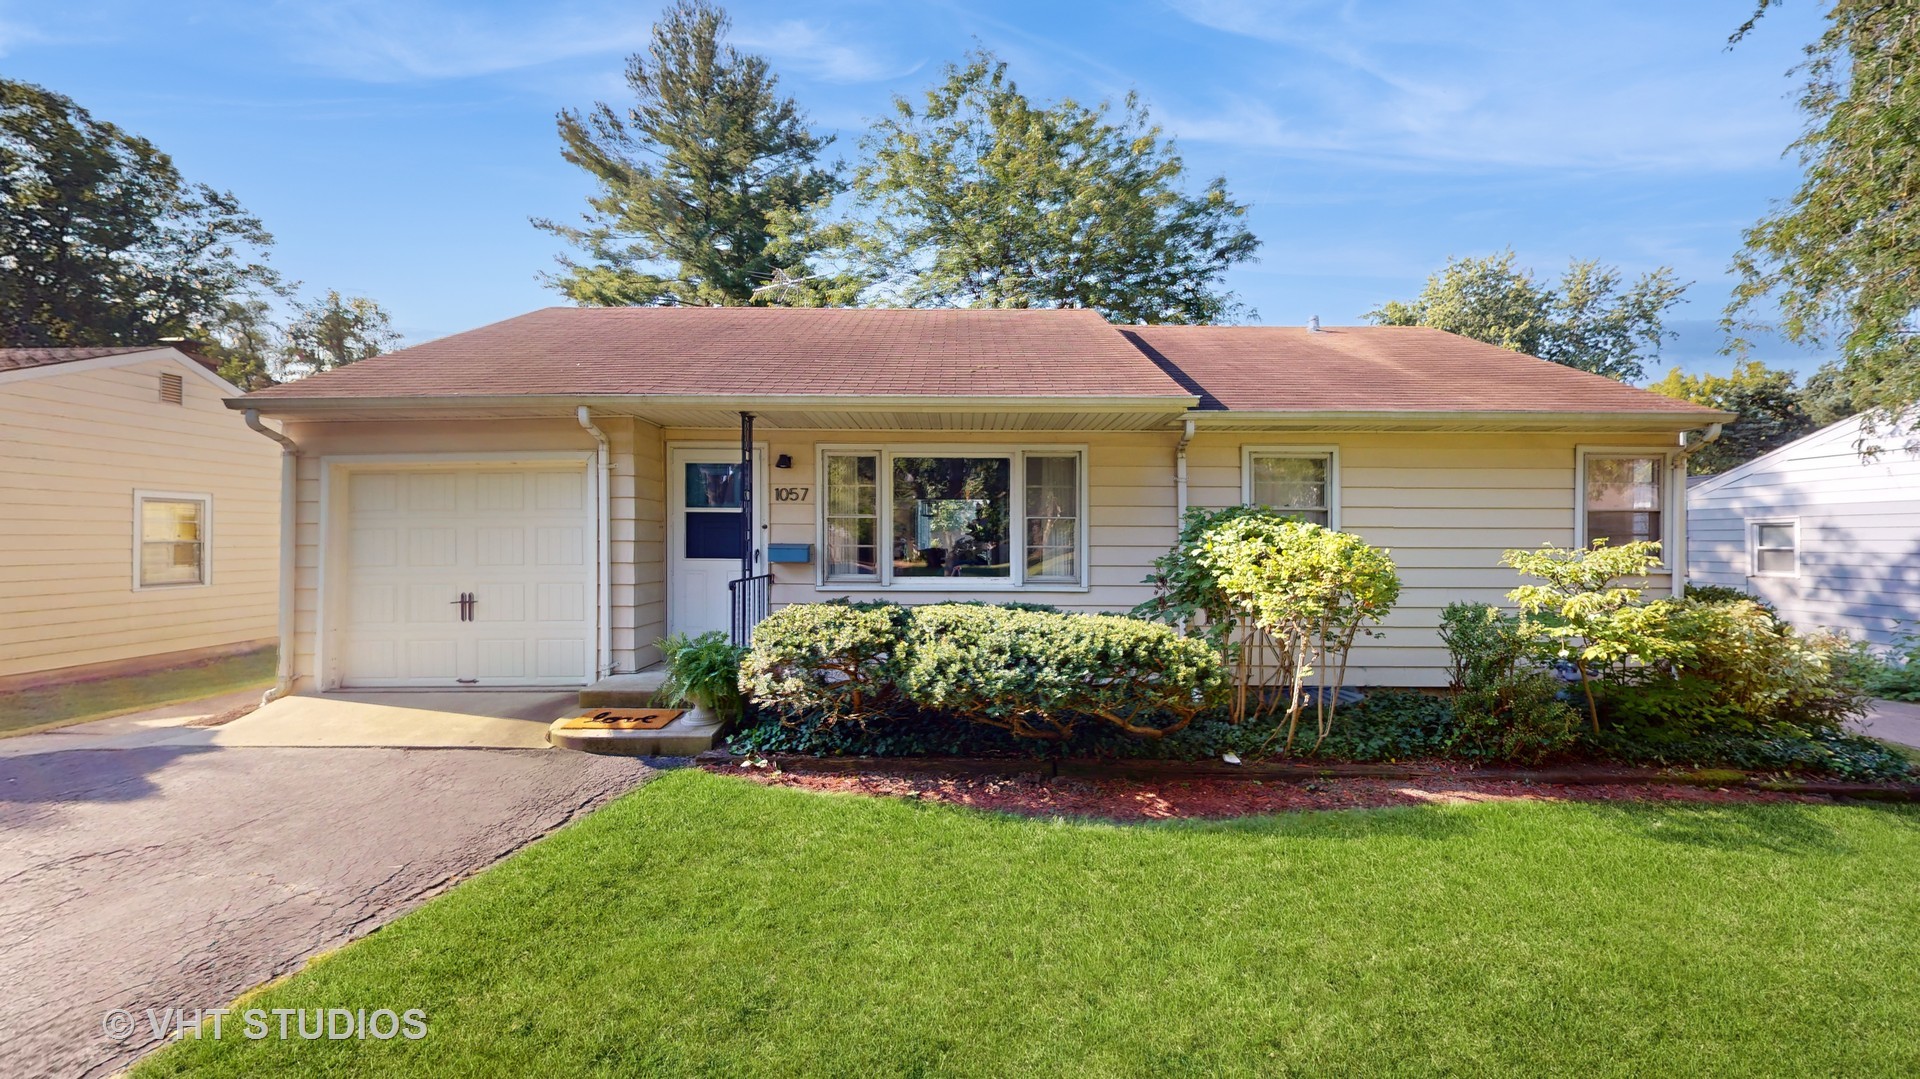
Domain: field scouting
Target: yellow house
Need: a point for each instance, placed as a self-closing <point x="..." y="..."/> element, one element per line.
<point x="139" y="517"/>
<point x="538" y="501"/>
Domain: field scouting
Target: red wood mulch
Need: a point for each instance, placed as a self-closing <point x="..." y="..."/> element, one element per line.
<point x="1143" y="800"/>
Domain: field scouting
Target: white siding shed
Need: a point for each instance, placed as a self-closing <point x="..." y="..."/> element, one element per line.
<point x="1830" y="538"/>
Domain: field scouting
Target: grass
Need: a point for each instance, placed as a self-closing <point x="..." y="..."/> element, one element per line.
<point x="29" y="710"/>
<point x="704" y="925"/>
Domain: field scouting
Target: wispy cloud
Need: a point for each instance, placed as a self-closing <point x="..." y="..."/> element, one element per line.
<point x="383" y="41"/>
<point x="1402" y="87"/>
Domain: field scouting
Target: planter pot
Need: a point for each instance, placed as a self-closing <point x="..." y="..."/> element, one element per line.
<point x="700" y="715"/>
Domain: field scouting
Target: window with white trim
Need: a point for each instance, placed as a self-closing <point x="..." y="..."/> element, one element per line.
<point x="1300" y="483"/>
<point x="917" y="517"/>
<point x="170" y="546"/>
<point x="1775" y="546"/>
<point x="1623" y="498"/>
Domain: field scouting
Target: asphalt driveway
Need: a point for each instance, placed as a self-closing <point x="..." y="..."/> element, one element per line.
<point x="179" y="876"/>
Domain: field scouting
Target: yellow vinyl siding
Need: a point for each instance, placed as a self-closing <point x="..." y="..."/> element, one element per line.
<point x="1447" y="505"/>
<point x="75" y="445"/>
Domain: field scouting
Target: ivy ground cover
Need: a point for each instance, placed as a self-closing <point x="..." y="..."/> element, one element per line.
<point x="706" y="925"/>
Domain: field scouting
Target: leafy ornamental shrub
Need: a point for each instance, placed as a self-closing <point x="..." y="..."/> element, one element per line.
<point x="1034" y="672"/>
<point x="839" y="659"/>
<point x="1720" y="593"/>
<point x="1584" y="614"/>
<point x="705" y="671"/>
<point x="1733" y="668"/>
<point x="1505" y="707"/>
<point x="1311" y="591"/>
<point x="1039" y="675"/>
<point x="1896" y="676"/>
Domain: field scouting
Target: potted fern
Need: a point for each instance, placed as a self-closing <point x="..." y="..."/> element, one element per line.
<point x="704" y="671"/>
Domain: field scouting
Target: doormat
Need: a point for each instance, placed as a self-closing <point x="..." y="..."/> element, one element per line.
<point x="623" y="719"/>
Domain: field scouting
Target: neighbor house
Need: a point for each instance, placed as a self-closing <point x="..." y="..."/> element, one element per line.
<point x="139" y="517"/>
<point x="538" y="501"/>
<point x="1828" y="535"/>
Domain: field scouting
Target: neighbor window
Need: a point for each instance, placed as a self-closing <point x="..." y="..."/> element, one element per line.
<point x="923" y="519"/>
<point x="1299" y="483"/>
<point x="1776" y="548"/>
<point x="172" y="540"/>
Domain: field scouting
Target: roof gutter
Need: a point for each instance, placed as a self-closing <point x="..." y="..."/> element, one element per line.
<point x="289" y="492"/>
<point x="619" y="402"/>
<point x="1457" y="419"/>
<point x="1678" y="484"/>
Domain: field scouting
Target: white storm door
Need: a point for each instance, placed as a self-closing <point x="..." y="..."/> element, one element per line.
<point x="469" y="577"/>
<point x="704" y="535"/>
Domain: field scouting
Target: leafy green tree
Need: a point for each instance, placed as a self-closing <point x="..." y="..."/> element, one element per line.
<point x="1590" y="321"/>
<point x="246" y="340"/>
<point x="977" y="197"/>
<point x="1770" y="410"/>
<point x="102" y="242"/>
<point x="1841" y="258"/>
<point x="707" y="187"/>
<point x="336" y="330"/>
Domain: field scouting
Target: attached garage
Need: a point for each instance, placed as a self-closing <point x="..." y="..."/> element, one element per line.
<point x="462" y="574"/>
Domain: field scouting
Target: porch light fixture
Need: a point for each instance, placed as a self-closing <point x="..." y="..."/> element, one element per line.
<point x="785" y="460"/>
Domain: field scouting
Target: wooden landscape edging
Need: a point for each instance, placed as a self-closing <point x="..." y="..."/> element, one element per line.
<point x="1292" y="772"/>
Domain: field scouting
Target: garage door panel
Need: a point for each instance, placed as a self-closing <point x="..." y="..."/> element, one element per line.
<point x="518" y="540"/>
<point x="433" y="548"/>
<point x="502" y="658"/>
<point x="433" y="492"/>
<point x="498" y="492"/>
<point x="559" y="546"/>
<point x="560" y="602"/>
<point x="501" y="603"/>
<point x="556" y="657"/>
<point x="437" y="660"/>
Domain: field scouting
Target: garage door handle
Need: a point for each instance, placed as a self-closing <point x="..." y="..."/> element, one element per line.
<point x="465" y="603"/>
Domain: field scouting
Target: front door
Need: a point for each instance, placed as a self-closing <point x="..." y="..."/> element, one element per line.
<point x="705" y="536"/>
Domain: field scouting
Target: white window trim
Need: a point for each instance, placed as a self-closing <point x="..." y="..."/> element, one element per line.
<point x="1016" y="580"/>
<point x="1330" y="453"/>
<point x="1669" y="497"/>
<point x="140" y="497"/>
<point x="1753" y="545"/>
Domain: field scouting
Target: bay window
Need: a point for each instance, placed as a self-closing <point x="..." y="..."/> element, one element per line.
<point x="920" y="518"/>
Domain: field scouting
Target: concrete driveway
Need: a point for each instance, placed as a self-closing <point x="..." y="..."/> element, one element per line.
<point x="179" y="875"/>
<point x="1895" y="721"/>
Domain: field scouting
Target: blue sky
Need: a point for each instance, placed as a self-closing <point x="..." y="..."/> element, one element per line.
<point x="397" y="148"/>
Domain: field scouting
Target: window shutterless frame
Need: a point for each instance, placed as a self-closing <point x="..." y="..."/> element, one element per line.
<point x="1330" y="454"/>
<point x="204" y="527"/>
<point x="1669" y="497"/>
<point x="1017" y="533"/>
<point x="1767" y="539"/>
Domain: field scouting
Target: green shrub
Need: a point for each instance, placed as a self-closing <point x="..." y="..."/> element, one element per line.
<point x="839" y="660"/>
<point x="1896" y="677"/>
<point x="1504" y="706"/>
<point x="1040" y="675"/>
<point x="1720" y="593"/>
<point x="1583" y="614"/>
<point x="1733" y="668"/>
<point x="704" y="671"/>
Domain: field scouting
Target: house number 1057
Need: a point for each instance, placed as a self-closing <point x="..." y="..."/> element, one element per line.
<point x="791" y="494"/>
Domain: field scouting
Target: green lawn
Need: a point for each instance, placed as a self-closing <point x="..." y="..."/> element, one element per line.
<point x="704" y="925"/>
<point x="79" y="702"/>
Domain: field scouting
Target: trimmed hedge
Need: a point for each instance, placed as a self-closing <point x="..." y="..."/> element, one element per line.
<point x="1032" y="672"/>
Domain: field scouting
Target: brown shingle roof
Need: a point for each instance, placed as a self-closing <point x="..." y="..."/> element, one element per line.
<point x="1378" y="369"/>
<point x="567" y="351"/>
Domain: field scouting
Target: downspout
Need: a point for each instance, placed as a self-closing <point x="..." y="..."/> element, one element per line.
<point x="289" y="496"/>
<point x="1687" y="449"/>
<point x="603" y="455"/>
<point x="1180" y="477"/>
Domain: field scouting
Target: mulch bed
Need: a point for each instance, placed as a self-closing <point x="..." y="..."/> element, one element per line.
<point x="1202" y="797"/>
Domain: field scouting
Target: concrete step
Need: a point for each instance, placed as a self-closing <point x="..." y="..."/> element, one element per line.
<point x="680" y="738"/>
<point x="637" y="690"/>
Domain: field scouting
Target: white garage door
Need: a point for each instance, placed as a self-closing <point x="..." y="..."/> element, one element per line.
<point x="469" y="577"/>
